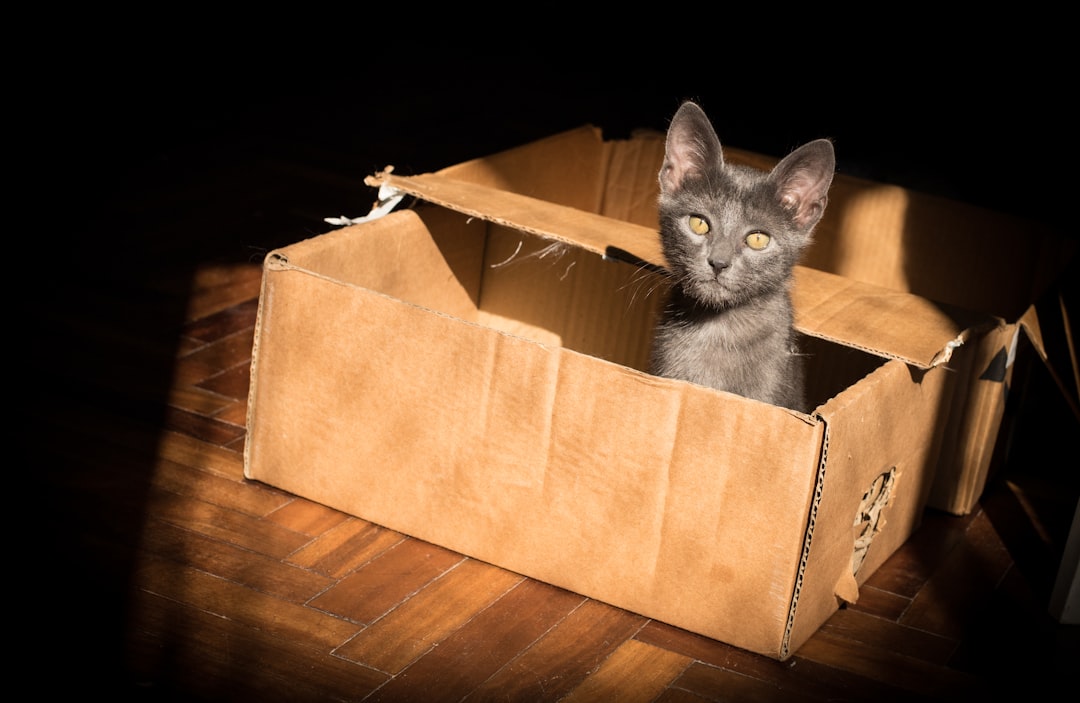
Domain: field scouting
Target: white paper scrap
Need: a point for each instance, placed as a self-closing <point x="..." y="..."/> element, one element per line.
<point x="389" y="197"/>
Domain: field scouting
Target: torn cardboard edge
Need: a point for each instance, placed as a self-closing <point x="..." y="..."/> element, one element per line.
<point x="817" y="295"/>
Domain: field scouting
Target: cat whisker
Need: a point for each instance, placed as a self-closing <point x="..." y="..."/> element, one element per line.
<point x="643" y="282"/>
<point x="508" y="259"/>
<point x="554" y="249"/>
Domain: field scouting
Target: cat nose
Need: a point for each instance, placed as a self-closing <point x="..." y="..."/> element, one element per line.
<point x="718" y="264"/>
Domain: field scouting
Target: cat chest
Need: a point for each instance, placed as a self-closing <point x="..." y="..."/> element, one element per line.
<point x="732" y="335"/>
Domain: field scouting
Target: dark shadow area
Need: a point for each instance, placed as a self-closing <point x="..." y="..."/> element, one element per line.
<point x="1030" y="499"/>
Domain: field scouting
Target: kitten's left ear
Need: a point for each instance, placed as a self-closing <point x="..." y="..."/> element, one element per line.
<point x="803" y="178"/>
<point x="691" y="148"/>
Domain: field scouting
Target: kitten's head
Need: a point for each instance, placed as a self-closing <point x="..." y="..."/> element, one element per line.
<point x="731" y="233"/>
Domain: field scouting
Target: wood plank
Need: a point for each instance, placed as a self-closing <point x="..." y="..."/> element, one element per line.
<point x="256" y="571"/>
<point x="254" y="499"/>
<point x="235" y="412"/>
<point x="199" y="400"/>
<point x="231" y="526"/>
<point x="634" y="673"/>
<point x="905" y="572"/>
<point x="186" y="345"/>
<point x="370" y="592"/>
<point x="562" y="658"/>
<point x="954" y="595"/>
<point x="716" y="683"/>
<point x="905" y="673"/>
<point x="429" y="616"/>
<point x="175" y="652"/>
<point x="228" y="599"/>
<point x="681" y="695"/>
<point x="345" y="547"/>
<point x="208" y="328"/>
<point x="206" y="429"/>
<point x="233" y="382"/>
<point x="798" y="674"/>
<point x="482" y="646"/>
<point x="201" y="455"/>
<point x="702" y="648"/>
<point x="215" y="288"/>
<point x="884" y="604"/>
<point x="307" y="517"/>
<point x="869" y="630"/>
<point x="213" y="358"/>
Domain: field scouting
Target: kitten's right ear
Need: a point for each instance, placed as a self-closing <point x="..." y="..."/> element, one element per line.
<point x="692" y="146"/>
<point x="803" y="178"/>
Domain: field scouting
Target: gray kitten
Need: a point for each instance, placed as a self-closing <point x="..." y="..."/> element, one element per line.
<point x="731" y="235"/>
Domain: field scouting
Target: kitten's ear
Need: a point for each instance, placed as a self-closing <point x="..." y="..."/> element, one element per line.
<point x="691" y="147"/>
<point x="803" y="178"/>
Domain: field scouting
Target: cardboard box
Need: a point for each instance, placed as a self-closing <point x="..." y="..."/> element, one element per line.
<point x="955" y="254"/>
<point x="471" y="372"/>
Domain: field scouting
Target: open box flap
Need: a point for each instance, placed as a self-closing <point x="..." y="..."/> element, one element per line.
<point x="881" y="321"/>
<point x="588" y="230"/>
<point x="1047" y="325"/>
<point x="877" y="320"/>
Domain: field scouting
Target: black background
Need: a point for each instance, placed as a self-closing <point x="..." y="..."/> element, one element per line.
<point x="992" y="125"/>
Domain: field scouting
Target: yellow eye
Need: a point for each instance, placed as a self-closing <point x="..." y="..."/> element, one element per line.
<point x="698" y="224"/>
<point x="757" y="240"/>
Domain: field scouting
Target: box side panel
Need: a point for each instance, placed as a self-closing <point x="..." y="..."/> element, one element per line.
<point x="584" y="474"/>
<point x="738" y="499"/>
<point x="983" y="370"/>
<point x="937" y="248"/>
<point x="884" y="439"/>
<point x="567" y="168"/>
<point x="386" y="410"/>
<point x="437" y="267"/>
<point x="653" y="504"/>
<point x="631" y="186"/>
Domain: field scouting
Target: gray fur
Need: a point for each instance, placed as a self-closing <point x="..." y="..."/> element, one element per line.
<point x="728" y="321"/>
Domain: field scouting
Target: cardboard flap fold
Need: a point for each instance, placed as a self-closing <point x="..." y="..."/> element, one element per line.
<point x="549" y="220"/>
<point x="881" y="321"/>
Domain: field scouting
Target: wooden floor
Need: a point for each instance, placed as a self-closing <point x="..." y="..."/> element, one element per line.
<point x="164" y="575"/>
